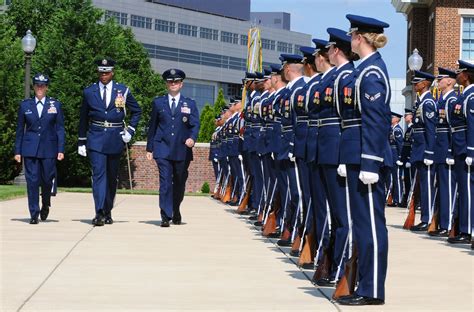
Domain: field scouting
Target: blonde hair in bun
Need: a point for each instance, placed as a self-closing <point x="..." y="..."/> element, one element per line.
<point x="375" y="40"/>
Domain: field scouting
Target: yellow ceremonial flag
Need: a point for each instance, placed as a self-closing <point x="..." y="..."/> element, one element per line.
<point x="254" y="56"/>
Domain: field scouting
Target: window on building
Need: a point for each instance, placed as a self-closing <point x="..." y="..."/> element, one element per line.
<point x="120" y="18"/>
<point x="297" y="49"/>
<point x="229" y="37"/>
<point x="277" y="21"/>
<point x="165" y="26"/>
<point x="187" y="30"/>
<point x="244" y="40"/>
<point x="467" y="38"/>
<point x="231" y="89"/>
<point x="268" y="44"/>
<point x="285" y="47"/>
<point x="203" y="94"/>
<point x="140" y="21"/>
<point x="208" y="33"/>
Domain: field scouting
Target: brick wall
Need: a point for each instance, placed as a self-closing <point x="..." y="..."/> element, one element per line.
<point x="145" y="173"/>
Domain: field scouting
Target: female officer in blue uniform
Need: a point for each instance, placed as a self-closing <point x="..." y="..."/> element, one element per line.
<point x="372" y="99"/>
<point x="174" y="127"/>
<point x="40" y="141"/>
<point x="102" y="135"/>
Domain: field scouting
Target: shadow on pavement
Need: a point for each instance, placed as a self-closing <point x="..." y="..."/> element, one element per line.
<point x="27" y="220"/>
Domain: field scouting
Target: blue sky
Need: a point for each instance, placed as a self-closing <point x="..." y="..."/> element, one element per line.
<point x="314" y="16"/>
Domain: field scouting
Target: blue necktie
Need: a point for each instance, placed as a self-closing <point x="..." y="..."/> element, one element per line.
<point x="173" y="105"/>
<point x="104" y="96"/>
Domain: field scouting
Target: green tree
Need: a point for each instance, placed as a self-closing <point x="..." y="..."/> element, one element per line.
<point x="208" y="115"/>
<point x="71" y="35"/>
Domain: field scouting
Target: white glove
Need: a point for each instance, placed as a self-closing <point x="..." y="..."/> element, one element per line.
<point x="341" y="170"/>
<point x="227" y="158"/>
<point x="215" y="159"/>
<point x="468" y="161"/>
<point x="399" y="163"/>
<point x="427" y="162"/>
<point x="449" y="161"/>
<point x="273" y="156"/>
<point x="81" y="150"/>
<point x="126" y="137"/>
<point x="368" y="177"/>
<point x="291" y="157"/>
<point x="407" y="165"/>
<point x="240" y="157"/>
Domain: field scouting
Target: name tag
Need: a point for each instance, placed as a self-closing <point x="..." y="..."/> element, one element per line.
<point x="185" y="110"/>
<point x="28" y="112"/>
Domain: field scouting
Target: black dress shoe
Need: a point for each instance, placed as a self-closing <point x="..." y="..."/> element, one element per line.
<point x="460" y="239"/>
<point x="177" y="222"/>
<point x="165" y="223"/>
<point x="295" y="253"/>
<point x="307" y="266"/>
<point x="284" y="243"/>
<point x="34" y="221"/>
<point x="253" y="218"/>
<point x="44" y="212"/>
<point x="109" y="220"/>
<point x="392" y="205"/>
<point x="439" y="233"/>
<point x="326" y="282"/>
<point x="420" y="227"/>
<point x="258" y="223"/>
<point x="357" y="300"/>
<point x="98" y="220"/>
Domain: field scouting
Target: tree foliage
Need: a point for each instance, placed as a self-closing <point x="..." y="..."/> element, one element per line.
<point x="208" y="115"/>
<point x="71" y="35"/>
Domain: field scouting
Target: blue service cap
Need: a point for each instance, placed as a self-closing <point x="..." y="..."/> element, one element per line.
<point x="105" y="65"/>
<point x="267" y="72"/>
<point x="276" y="69"/>
<point x="218" y="116"/>
<point x="339" y="38"/>
<point x="250" y="76"/>
<point x="409" y="111"/>
<point x="394" y="114"/>
<point x="320" y="45"/>
<point x="259" y="76"/>
<point x="308" y="52"/>
<point x="40" y="79"/>
<point x="422" y="76"/>
<point x="465" y="66"/>
<point x="366" y="24"/>
<point x="290" y="58"/>
<point x="445" y="73"/>
<point x="173" y="74"/>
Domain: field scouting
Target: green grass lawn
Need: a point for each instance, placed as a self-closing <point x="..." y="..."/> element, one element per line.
<point x="14" y="191"/>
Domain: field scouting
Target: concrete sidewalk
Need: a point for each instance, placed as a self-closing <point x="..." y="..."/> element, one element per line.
<point x="215" y="261"/>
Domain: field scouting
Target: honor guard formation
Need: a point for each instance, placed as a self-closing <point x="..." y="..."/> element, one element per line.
<point x="316" y="154"/>
<point x="312" y="153"/>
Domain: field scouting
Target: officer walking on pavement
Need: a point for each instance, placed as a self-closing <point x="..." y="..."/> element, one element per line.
<point x="40" y="141"/>
<point x="173" y="130"/>
<point x="102" y="135"/>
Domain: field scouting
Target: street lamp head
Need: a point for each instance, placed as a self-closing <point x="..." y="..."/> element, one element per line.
<point x="415" y="61"/>
<point x="28" y="43"/>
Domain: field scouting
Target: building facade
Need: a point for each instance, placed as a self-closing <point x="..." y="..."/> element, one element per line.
<point x="211" y="47"/>
<point x="442" y="31"/>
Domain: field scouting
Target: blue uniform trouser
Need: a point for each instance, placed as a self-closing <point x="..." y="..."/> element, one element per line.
<point x="304" y="174"/>
<point x="257" y="187"/>
<point x="426" y="174"/>
<point x="173" y="176"/>
<point x="336" y="193"/>
<point x="215" y="166"/>
<point x="237" y="175"/>
<point x="291" y="212"/>
<point x="446" y="188"/>
<point x="270" y="176"/>
<point x="320" y="208"/>
<point x="39" y="172"/>
<point x="396" y="173"/>
<point x="463" y="177"/>
<point x="370" y="233"/>
<point x="283" y="189"/>
<point x="104" y="180"/>
<point x="408" y="175"/>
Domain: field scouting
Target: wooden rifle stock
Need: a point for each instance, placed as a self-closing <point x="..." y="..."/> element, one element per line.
<point x="414" y="192"/>
<point x="454" y="228"/>
<point x="295" y="247"/>
<point x="309" y="250"/>
<point x="270" y="226"/>
<point x="434" y="222"/>
<point x="228" y="191"/>
<point x="243" y="205"/>
<point x="389" y="198"/>
<point x="324" y="267"/>
<point x="346" y="285"/>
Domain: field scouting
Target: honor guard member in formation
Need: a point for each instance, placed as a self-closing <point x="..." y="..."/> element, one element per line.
<point x="173" y="130"/>
<point x="443" y="159"/>
<point x="214" y="147"/>
<point x="405" y="156"/>
<point x="39" y="141"/>
<point x="103" y="134"/>
<point x="372" y="99"/>
<point x="422" y="153"/>
<point x="460" y="119"/>
<point x="396" y="172"/>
